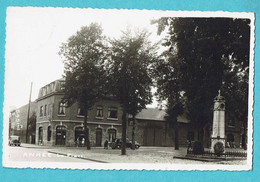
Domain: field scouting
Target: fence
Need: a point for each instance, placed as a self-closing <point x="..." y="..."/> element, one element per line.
<point x="226" y="154"/>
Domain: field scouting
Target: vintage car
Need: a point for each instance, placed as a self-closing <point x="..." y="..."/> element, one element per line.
<point x="118" y="143"/>
<point x="14" y="140"/>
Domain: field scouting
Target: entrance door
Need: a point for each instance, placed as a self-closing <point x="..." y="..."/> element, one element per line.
<point x="40" y="135"/>
<point x="60" y="135"/>
<point x="98" y="137"/>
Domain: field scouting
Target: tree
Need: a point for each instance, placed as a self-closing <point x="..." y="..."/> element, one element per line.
<point x="32" y="124"/>
<point x="200" y="47"/>
<point x="129" y="74"/>
<point x="85" y="79"/>
<point x="168" y="89"/>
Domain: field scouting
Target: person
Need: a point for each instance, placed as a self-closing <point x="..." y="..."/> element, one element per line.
<point x="77" y="142"/>
<point x="189" y="145"/>
<point x="106" y="144"/>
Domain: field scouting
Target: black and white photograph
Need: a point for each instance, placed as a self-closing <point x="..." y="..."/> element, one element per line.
<point x="128" y="89"/>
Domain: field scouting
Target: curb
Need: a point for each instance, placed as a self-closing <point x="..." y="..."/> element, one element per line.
<point x="198" y="159"/>
<point x="78" y="157"/>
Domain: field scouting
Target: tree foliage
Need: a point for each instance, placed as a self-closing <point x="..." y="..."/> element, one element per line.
<point x="129" y="74"/>
<point x="207" y="54"/>
<point x="85" y="76"/>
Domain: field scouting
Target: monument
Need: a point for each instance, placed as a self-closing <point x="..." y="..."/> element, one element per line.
<point x="218" y="129"/>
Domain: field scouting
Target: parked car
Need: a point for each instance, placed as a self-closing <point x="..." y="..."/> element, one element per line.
<point x="14" y="140"/>
<point x="117" y="144"/>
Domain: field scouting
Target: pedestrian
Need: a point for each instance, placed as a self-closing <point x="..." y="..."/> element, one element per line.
<point x="189" y="145"/>
<point x="106" y="144"/>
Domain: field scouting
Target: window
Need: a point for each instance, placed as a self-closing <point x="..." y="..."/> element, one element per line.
<point x="62" y="107"/>
<point x="49" y="109"/>
<point x="43" y="91"/>
<point x="111" y="135"/>
<point x="99" y="111"/>
<point x="45" y="110"/>
<point x="49" y="134"/>
<point x="40" y="135"/>
<point x="41" y="111"/>
<point x="81" y="112"/>
<point x="62" y="86"/>
<point x="112" y="112"/>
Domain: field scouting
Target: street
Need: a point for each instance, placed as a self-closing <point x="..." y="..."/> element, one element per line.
<point x="21" y="154"/>
<point x="36" y="153"/>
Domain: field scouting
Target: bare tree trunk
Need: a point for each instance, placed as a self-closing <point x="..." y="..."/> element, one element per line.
<point x="123" y="147"/>
<point x="133" y="133"/>
<point x="87" y="142"/>
<point x="176" y="133"/>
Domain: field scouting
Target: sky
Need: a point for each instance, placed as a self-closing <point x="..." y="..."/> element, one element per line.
<point x="34" y="37"/>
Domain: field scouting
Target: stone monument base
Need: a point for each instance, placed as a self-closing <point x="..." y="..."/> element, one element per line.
<point x="215" y="140"/>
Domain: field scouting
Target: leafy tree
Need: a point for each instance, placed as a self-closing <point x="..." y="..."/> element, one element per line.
<point x="129" y="74"/>
<point x="32" y="124"/>
<point x="168" y="89"/>
<point x="205" y="50"/>
<point x="85" y="79"/>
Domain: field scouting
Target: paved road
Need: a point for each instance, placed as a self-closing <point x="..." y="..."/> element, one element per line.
<point x="39" y="155"/>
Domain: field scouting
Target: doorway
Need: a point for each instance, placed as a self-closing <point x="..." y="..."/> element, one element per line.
<point x="98" y="137"/>
<point x="60" y="135"/>
<point x="40" y="135"/>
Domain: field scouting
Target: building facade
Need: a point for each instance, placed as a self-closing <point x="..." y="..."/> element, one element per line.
<point x="58" y="124"/>
<point x="18" y="122"/>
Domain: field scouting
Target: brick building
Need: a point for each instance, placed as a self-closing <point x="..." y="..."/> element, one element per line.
<point x="18" y="122"/>
<point x="60" y="125"/>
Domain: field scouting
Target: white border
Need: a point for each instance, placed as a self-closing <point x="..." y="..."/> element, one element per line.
<point x="151" y="166"/>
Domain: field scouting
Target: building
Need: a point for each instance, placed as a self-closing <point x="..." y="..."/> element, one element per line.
<point x="18" y="122"/>
<point x="152" y="130"/>
<point x="58" y="124"/>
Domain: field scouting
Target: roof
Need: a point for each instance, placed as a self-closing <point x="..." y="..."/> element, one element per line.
<point x="158" y="115"/>
<point x="55" y="86"/>
<point x="151" y="114"/>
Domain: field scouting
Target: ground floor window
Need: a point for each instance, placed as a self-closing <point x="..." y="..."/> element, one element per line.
<point x="49" y="133"/>
<point x="60" y="135"/>
<point x="40" y="135"/>
<point x="111" y="134"/>
<point x="80" y="135"/>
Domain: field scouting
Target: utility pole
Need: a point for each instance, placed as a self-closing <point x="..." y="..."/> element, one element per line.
<point x="28" y="114"/>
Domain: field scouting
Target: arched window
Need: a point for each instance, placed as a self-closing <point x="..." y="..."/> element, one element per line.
<point x="79" y="133"/>
<point x="62" y="107"/>
<point x="49" y="133"/>
<point x="60" y="135"/>
<point x="111" y="134"/>
<point x="40" y="135"/>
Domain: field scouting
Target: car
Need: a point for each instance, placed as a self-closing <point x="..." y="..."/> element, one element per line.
<point x="117" y="144"/>
<point x="14" y="140"/>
